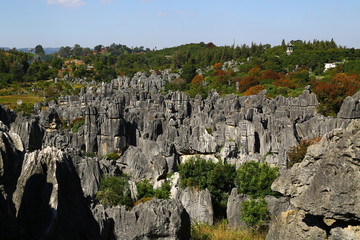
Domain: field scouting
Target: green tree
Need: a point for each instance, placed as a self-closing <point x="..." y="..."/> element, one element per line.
<point x="255" y="214"/>
<point x="39" y="50"/>
<point x="255" y="179"/>
<point x="17" y="71"/>
<point x="114" y="191"/>
<point x="188" y="72"/>
<point x="64" y="52"/>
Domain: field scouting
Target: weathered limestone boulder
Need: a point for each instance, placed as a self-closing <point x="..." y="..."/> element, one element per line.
<point x="30" y="132"/>
<point x="198" y="205"/>
<point x="326" y="181"/>
<point x="347" y="233"/>
<point x="291" y="225"/>
<point x="324" y="187"/>
<point x="48" y="200"/>
<point x="136" y="164"/>
<point x="154" y="219"/>
<point x="350" y="108"/>
<point x="88" y="170"/>
<point x="233" y="208"/>
<point x="277" y="205"/>
<point x="6" y="115"/>
<point x="11" y="157"/>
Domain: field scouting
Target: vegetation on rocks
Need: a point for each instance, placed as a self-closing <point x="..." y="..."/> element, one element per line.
<point x="147" y="191"/>
<point x="297" y="153"/>
<point x="115" y="191"/>
<point x="255" y="179"/>
<point x="221" y="231"/>
<point x="255" y="214"/>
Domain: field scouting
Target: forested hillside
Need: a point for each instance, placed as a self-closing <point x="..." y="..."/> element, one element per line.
<point x="244" y="70"/>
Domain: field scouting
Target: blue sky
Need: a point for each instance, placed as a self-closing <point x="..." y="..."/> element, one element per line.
<point x="167" y="23"/>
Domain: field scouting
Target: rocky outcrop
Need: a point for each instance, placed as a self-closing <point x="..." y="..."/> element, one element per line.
<point x="324" y="186"/>
<point x="154" y="219"/>
<point x="11" y="157"/>
<point x="48" y="200"/>
<point x="198" y="205"/>
<point x="30" y="132"/>
<point x="233" y="209"/>
<point x="292" y="225"/>
<point x="350" y="108"/>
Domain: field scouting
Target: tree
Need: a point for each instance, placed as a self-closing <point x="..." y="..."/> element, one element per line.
<point x="188" y="72"/>
<point x="255" y="179"/>
<point x="17" y="71"/>
<point x="114" y="191"/>
<point x="255" y="213"/>
<point x="39" y="50"/>
<point x="77" y="50"/>
<point x="64" y="52"/>
<point x="98" y="48"/>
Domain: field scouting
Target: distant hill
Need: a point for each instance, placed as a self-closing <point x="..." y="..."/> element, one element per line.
<point x="47" y="50"/>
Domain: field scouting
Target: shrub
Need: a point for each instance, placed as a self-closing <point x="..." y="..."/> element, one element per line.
<point x="254" y="213"/>
<point x="255" y="179"/>
<point x="114" y="191"/>
<point x="113" y="156"/>
<point x="26" y="108"/>
<point x="163" y="192"/>
<point x="297" y="153"/>
<point x="194" y="173"/>
<point x="76" y="124"/>
<point x="90" y="154"/>
<point x="254" y="90"/>
<point x="221" y="231"/>
<point x="218" y="178"/>
<point x="146" y="190"/>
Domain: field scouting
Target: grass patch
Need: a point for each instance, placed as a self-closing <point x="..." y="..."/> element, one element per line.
<point x="221" y="231"/>
<point x="26" y="98"/>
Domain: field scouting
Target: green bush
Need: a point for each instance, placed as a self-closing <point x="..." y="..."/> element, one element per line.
<point x="164" y="191"/>
<point x="255" y="213"/>
<point x="90" y="154"/>
<point x="218" y="178"/>
<point x="146" y="190"/>
<point x="113" y="156"/>
<point x="255" y="179"/>
<point x="26" y="108"/>
<point x="76" y="124"/>
<point x="114" y="191"/>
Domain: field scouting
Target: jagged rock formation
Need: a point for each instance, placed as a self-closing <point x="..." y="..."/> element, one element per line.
<point x="324" y="187"/>
<point x="233" y="209"/>
<point x="154" y="219"/>
<point x="198" y="204"/>
<point x="50" y="171"/>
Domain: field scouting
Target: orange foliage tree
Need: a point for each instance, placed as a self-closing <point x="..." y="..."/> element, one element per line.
<point x="287" y="83"/>
<point x="269" y="75"/>
<point x="254" y="90"/>
<point x="197" y="80"/>
<point x="247" y="82"/>
<point x="331" y="94"/>
<point x="255" y="71"/>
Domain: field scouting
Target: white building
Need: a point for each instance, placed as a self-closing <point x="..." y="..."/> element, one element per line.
<point x="331" y="65"/>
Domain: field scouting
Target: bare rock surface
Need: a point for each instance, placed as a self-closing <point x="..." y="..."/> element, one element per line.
<point x="154" y="219"/>
<point x="324" y="187"/>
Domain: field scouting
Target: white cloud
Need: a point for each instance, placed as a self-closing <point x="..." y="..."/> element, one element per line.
<point x="106" y="1"/>
<point x="66" y="3"/>
<point x="161" y="14"/>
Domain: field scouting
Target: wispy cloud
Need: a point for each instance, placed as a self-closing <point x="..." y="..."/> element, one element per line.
<point x="161" y="14"/>
<point x="66" y="3"/>
<point x="106" y="1"/>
